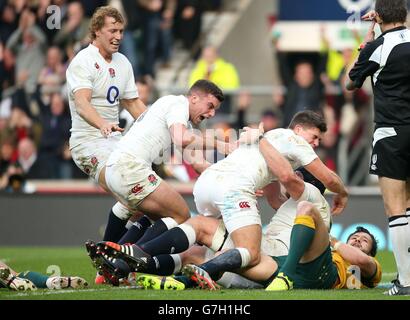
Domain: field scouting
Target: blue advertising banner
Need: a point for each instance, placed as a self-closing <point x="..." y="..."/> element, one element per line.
<point x="321" y="10"/>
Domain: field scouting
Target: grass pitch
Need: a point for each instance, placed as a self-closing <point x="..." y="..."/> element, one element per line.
<point x="74" y="261"/>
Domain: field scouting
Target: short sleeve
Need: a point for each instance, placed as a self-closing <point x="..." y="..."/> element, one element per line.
<point x="367" y="63"/>
<point x="302" y="151"/>
<point x="178" y="112"/>
<point x="79" y="76"/>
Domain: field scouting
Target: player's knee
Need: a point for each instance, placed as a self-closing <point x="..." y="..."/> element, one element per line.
<point x="182" y="215"/>
<point x="305" y="208"/>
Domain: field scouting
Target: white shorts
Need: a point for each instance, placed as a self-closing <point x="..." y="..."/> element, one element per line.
<point x="130" y="180"/>
<point x="215" y="196"/>
<point x="92" y="156"/>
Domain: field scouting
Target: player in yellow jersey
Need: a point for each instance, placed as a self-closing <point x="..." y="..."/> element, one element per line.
<point x="314" y="262"/>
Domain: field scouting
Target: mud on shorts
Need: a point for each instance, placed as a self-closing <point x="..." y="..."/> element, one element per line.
<point x="131" y="180"/>
<point x="92" y="156"/>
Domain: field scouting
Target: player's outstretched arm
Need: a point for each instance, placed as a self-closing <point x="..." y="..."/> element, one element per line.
<point x="82" y="100"/>
<point x="332" y="182"/>
<point x="134" y="106"/>
<point x="184" y="138"/>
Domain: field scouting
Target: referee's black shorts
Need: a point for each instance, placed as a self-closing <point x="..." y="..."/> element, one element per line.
<point x="391" y="152"/>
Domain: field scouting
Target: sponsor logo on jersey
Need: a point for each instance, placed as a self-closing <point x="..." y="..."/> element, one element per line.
<point x="244" y="205"/>
<point x="137" y="189"/>
<point x="112" y="72"/>
<point x="152" y="179"/>
<point x="374" y="160"/>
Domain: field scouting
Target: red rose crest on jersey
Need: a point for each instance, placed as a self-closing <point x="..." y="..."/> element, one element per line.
<point x="94" y="161"/>
<point x="152" y="179"/>
<point x="112" y="72"/>
<point x="137" y="189"/>
<point x="244" y="205"/>
<point x="96" y="66"/>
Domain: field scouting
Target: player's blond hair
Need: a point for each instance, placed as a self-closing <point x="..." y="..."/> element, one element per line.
<point x="98" y="19"/>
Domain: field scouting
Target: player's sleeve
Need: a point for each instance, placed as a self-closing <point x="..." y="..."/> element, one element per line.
<point x="176" y="113"/>
<point x="302" y="151"/>
<point x="79" y="76"/>
<point x="130" y="91"/>
<point x="367" y="63"/>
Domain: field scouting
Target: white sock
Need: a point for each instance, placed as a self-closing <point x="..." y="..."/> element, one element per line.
<point x="399" y="229"/>
<point x="189" y="232"/>
<point x="121" y="211"/>
<point x="169" y="222"/>
<point x="245" y="255"/>
<point x="177" y="261"/>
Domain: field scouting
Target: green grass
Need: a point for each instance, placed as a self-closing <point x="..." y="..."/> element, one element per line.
<point x="74" y="261"/>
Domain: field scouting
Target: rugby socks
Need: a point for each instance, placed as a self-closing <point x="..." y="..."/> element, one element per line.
<point x="39" y="280"/>
<point x="164" y="264"/>
<point x="117" y="221"/>
<point x="136" y="231"/>
<point x="230" y="260"/>
<point x="301" y="237"/>
<point x="158" y="228"/>
<point x="175" y="240"/>
<point x="399" y="229"/>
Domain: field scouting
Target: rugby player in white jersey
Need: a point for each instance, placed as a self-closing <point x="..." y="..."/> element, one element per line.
<point x="99" y="80"/>
<point x="227" y="190"/>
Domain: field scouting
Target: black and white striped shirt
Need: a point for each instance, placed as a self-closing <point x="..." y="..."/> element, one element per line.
<point x="387" y="61"/>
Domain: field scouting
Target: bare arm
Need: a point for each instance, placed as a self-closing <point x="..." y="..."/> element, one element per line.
<point x="134" y="106"/>
<point x="182" y="137"/>
<point x="82" y="100"/>
<point x="282" y="169"/>
<point x="332" y="182"/>
<point x="356" y="257"/>
<point x="274" y="195"/>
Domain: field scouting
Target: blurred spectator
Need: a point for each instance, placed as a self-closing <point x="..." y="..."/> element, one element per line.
<point x="9" y="21"/>
<point x="75" y="30"/>
<point x="55" y="123"/>
<point x="28" y="44"/>
<point x="214" y="68"/>
<point x="188" y="22"/>
<point x="131" y="37"/>
<point x="8" y="154"/>
<point x="28" y="160"/>
<point x="156" y="16"/>
<point x="52" y="76"/>
<point x="90" y="6"/>
<point x="166" y="33"/>
<point x="20" y="123"/>
<point x="13" y="180"/>
<point x="270" y="120"/>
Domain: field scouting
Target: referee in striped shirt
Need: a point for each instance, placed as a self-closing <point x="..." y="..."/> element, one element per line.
<point x="387" y="61"/>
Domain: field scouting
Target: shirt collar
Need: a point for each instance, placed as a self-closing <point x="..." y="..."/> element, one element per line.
<point x="392" y="30"/>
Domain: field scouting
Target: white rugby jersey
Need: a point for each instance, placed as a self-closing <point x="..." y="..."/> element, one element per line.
<point x="149" y="138"/>
<point x="248" y="169"/>
<point x="109" y="83"/>
<point x="284" y="217"/>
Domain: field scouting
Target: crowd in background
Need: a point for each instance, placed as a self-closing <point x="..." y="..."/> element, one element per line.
<point x="34" y="115"/>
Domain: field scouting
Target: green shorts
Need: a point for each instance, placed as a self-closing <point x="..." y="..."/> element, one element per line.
<point x="320" y="273"/>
